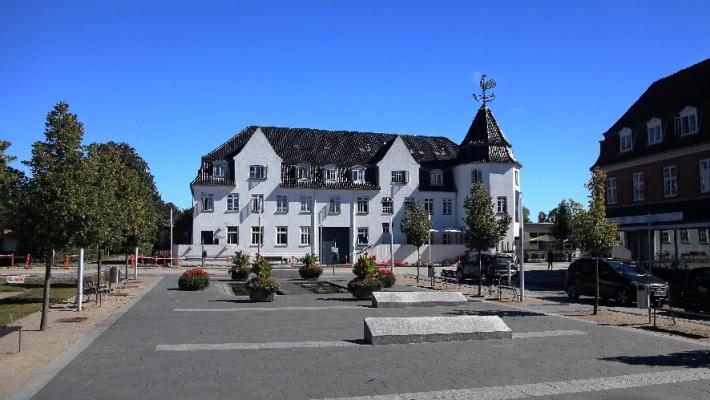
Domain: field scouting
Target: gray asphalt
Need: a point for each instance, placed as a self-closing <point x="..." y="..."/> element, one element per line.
<point x="123" y="363"/>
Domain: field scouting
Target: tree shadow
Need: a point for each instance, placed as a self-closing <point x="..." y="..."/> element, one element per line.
<point x="236" y="301"/>
<point x="689" y="359"/>
<point x="348" y="299"/>
<point x="506" y="313"/>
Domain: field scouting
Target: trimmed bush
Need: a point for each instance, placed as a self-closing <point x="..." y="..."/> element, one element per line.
<point x="262" y="287"/>
<point x="364" y="267"/>
<point x="310" y="270"/>
<point x="240" y="266"/>
<point x="386" y="277"/>
<point x="194" y="279"/>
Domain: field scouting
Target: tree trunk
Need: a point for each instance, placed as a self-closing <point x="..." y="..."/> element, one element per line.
<point x="47" y="285"/>
<point x="596" y="285"/>
<point x="418" y="262"/>
<point x="98" y="276"/>
<point x="479" y="273"/>
<point x="126" y="269"/>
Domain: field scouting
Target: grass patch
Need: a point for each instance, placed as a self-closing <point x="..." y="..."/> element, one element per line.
<point x="30" y="300"/>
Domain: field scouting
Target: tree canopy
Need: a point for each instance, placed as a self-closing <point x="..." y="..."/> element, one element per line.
<point x="595" y="234"/>
<point x="416" y="225"/>
<point x="483" y="228"/>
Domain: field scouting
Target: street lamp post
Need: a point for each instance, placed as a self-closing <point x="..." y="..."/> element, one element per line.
<point x="521" y="272"/>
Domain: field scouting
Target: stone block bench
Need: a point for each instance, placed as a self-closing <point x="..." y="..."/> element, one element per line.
<point x="416" y="299"/>
<point x="391" y="330"/>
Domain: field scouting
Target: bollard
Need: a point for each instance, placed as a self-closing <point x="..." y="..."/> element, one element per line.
<point x="177" y="261"/>
<point x="27" y="261"/>
<point x="66" y="261"/>
<point x="155" y="261"/>
<point x="12" y="260"/>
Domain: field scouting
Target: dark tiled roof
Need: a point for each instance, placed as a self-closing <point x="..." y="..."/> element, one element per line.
<point x="485" y="141"/>
<point x="663" y="99"/>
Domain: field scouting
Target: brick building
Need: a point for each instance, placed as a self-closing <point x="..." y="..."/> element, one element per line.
<point x="657" y="157"/>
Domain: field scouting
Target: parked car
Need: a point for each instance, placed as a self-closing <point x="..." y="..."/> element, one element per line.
<point x="618" y="280"/>
<point x="503" y="262"/>
<point x="468" y="268"/>
<point x="690" y="288"/>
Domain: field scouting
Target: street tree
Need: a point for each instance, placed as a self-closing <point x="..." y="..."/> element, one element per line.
<point x="541" y="217"/>
<point x="11" y="181"/>
<point x="416" y="224"/>
<point x="593" y="231"/>
<point x="526" y="216"/>
<point x="483" y="229"/>
<point x="562" y="220"/>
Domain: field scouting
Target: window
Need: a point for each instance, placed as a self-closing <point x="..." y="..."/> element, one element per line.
<point x="437" y="178"/>
<point x="516" y="176"/>
<point x="683" y="233"/>
<point x="362" y="205"/>
<point x="387" y="206"/>
<point x="232" y="235"/>
<point x="257" y="203"/>
<point x="257" y="172"/>
<point x="516" y="206"/>
<point x="400" y="177"/>
<point x="385" y="227"/>
<point x="303" y="173"/>
<point x="363" y="238"/>
<point x="665" y="236"/>
<point x="334" y="205"/>
<point x="207" y="237"/>
<point x="429" y="206"/>
<point x="703" y="236"/>
<point x="257" y="235"/>
<point x="207" y="202"/>
<point x="305" y="235"/>
<point x="611" y="190"/>
<point x="445" y="238"/>
<point x="233" y="202"/>
<point x="330" y="174"/>
<point x="705" y="176"/>
<point x="625" y="141"/>
<point x="281" y="203"/>
<point x="306" y="202"/>
<point x="686" y="123"/>
<point x="358" y="175"/>
<point x="476" y="176"/>
<point x="446" y="206"/>
<point x="219" y="169"/>
<point x="502" y="205"/>
<point x="409" y="202"/>
<point x="638" y="186"/>
<point x="655" y="135"/>
<point x="670" y="184"/>
<point x="282" y="235"/>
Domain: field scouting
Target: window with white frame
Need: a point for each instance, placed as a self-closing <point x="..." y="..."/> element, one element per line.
<point x="232" y="235"/>
<point x="363" y="205"/>
<point x="331" y="174"/>
<point x="703" y="235"/>
<point x="303" y="173"/>
<point x="257" y="235"/>
<point x="683" y="234"/>
<point x="219" y="169"/>
<point x="705" y="176"/>
<point x="446" y="206"/>
<point x="429" y="205"/>
<point x="409" y="203"/>
<point x="476" y="176"/>
<point x="334" y="205"/>
<point x="611" y="190"/>
<point x="686" y="123"/>
<point x="257" y="172"/>
<point x="306" y="204"/>
<point x="400" y="177"/>
<point x="233" y="202"/>
<point x="639" y="187"/>
<point x="437" y="177"/>
<point x="363" y="236"/>
<point x="282" y="235"/>
<point x="305" y="235"/>
<point x="670" y="182"/>
<point x="625" y="141"/>
<point x="516" y="175"/>
<point x="281" y="203"/>
<point x="502" y="205"/>
<point x="207" y="202"/>
<point x="257" y="203"/>
<point x="385" y="227"/>
<point x="387" y="205"/>
<point x="358" y="175"/>
<point x="655" y="134"/>
<point x="665" y="236"/>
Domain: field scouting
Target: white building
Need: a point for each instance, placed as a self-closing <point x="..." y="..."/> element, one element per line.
<point x="335" y="193"/>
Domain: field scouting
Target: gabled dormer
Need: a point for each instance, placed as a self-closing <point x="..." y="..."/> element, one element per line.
<point x="626" y="141"/>
<point x="655" y="131"/>
<point x="686" y="122"/>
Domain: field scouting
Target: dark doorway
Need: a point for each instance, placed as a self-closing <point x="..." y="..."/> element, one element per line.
<point x="335" y="239"/>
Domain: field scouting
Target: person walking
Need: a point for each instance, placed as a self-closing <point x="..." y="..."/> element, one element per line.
<point x="550" y="258"/>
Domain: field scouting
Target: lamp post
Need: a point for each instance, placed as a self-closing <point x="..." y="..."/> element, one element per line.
<point x="521" y="271"/>
<point x="392" y="241"/>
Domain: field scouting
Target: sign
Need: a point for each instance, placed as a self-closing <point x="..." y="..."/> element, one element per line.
<point x="334" y="249"/>
<point x="15" y="279"/>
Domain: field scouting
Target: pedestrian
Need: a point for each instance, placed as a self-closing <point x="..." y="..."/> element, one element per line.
<point x="550" y="258"/>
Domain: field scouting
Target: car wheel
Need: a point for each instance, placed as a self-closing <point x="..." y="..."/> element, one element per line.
<point x="459" y="276"/>
<point x="572" y="291"/>
<point x="622" y="297"/>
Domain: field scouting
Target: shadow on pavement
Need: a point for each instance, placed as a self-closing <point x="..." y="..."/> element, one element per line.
<point x="690" y="359"/>
<point x="505" y="313"/>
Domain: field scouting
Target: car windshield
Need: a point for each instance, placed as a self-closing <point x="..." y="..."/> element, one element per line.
<point x="627" y="268"/>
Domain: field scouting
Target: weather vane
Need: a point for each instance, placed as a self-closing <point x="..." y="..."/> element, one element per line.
<point x="485" y="85"/>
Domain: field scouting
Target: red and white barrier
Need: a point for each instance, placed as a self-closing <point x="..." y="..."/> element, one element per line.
<point x="13" y="257"/>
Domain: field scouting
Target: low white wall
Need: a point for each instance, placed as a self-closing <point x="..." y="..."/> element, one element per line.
<point x="408" y="253"/>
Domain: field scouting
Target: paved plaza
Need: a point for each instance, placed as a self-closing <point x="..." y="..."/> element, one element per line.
<point x="215" y="345"/>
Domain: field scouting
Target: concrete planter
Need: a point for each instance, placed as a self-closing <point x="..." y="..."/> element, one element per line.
<point x="261" y="295"/>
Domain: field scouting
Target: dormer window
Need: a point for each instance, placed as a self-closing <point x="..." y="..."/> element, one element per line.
<point x="219" y="169"/>
<point x="358" y="174"/>
<point x="330" y="173"/>
<point x="625" y="141"/>
<point x="437" y="178"/>
<point x="257" y="172"/>
<point x="655" y="134"/>
<point x="686" y="123"/>
<point x="303" y="173"/>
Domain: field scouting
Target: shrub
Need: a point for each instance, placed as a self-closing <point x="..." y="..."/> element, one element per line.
<point x="364" y="267"/>
<point x="370" y="282"/>
<point x="257" y="283"/>
<point x="386" y="277"/>
<point x="194" y="279"/>
<point x="240" y="265"/>
<point x="310" y="272"/>
<point x="261" y="268"/>
<point x="309" y="260"/>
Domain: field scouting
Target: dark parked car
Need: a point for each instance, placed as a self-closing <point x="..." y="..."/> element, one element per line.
<point x="618" y="280"/>
<point x="468" y="268"/>
<point x="690" y="288"/>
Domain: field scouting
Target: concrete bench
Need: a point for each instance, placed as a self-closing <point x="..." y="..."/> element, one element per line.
<point x="416" y="299"/>
<point x="386" y="330"/>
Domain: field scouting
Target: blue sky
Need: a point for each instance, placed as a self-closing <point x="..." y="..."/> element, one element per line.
<point x="175" y="79"/>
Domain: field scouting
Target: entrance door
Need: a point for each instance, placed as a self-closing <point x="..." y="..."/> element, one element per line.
<point x="335" y="244"/>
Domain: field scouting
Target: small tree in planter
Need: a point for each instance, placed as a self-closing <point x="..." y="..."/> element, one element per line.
<point x="386" y="277"/>
<point x="240" y="266"/>
<point x="263" y="286"/>
<point x="310" y="268"/>
<point x="366" y="280"/>
<point x="194" y="279"/>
